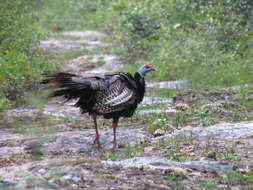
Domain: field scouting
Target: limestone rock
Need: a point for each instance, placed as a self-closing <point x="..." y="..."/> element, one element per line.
<point x="163" y="163"/>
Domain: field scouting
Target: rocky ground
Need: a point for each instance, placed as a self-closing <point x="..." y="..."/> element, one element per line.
<point x="50" y="146"/>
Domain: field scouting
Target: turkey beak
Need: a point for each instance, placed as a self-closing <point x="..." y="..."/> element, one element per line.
<point x="153" y="69"/>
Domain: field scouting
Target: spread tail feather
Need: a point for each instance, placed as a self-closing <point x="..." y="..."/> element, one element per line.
<point x="69" y="86"/>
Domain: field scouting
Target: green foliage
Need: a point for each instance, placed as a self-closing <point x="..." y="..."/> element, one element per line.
<point x="163" y="92"/>
<point x="235" y="178"/>
<point x="5" y="188"/>
<point x="21" y="62"/>
<point x="206" y="107"/>
<point x="242" y="96"/>
<point x="228" y="154"/>
<point x="175" y="154"/>
<point x="174" y="150"/>
<point x="36" y="151"/>
<point x="60" y="15"/>
<point x="176" y="179"/>
<point x="206" y="42"/>
<point x="156" y="121"/>
<point x="209" y="186"/>
<point x="162" y="123"/>
<point x="4" y="103"/>
<point x="125" y="152"/>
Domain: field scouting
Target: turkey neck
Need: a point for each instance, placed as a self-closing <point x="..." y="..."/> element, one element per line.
<point x="140" y="82"/>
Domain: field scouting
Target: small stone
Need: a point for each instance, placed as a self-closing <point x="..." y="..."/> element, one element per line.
<point x="214" y="107"/>
<point x="251" y="169"/>
<point x="250" y="95"/>
<point x="178" y="170"/>
<point x="195" y="174"/>
<point x="80" y="60"/>
<point x="187" y="96"/>
<point x="188" y="127"/>
<point x="178" y="25"/>
<point x="182" y="107"/>
<point x="171" y="129"/>
<point x="211" y="154"/>
<point x="243" y="170"/>
<point x="31" y="144"/>
<point x="238" y="142"/>
<point x="236" y="188"/>
<point x="222" y="186"/>
<point x="192" y="153"/>
<point x="74" y="185"/>
<point x="76" y="179"/>
<point x="149" y="149"/>
<point x="42" y="171"/>
<point x="159" y="132"/>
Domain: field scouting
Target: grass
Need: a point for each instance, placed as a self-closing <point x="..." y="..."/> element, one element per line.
<point x="237" y="178"/>
<point x="151" y="122"/>
<point x="123" y="153"/>
<point x="33" y="182"/>
<point x="228" y="154"/>
<point x="37" y="126"/>
<point x="153" y="106"/>
<point x="66" y="15"/>
<point x="21" y="62"/>
<point x="176" y="154"/>
<point x="36" y="151"/>
<point x="184" y="147"/>
<point x="176" y="179"/>
<point x="202" y="107"/>
<point x="209" y="186"/>
<point x="61" y="57"/>
<point x="163" y="92"/>
<point x="5" y="188"/>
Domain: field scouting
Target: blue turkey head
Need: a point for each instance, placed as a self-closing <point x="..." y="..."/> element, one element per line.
<point x="143" y="70"/>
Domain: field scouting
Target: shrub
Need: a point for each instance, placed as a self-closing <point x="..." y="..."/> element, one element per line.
<point x="20" y="60"/>
<point x="60" y="15"/>
<point x="205" y="42"/>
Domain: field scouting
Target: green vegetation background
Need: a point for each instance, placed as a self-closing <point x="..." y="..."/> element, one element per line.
<point x="207" y="42"/>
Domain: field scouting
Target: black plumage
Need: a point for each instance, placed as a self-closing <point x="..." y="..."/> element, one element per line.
<point x="110" y="95"/>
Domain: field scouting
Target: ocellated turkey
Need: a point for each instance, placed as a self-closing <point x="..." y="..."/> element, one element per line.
<point x="110" y="95"/>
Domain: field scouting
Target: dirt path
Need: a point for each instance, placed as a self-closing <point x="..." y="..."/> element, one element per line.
<point x="51" y="147"/>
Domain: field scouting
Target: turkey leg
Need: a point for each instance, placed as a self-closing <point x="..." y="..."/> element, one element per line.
<point x="114" y="125"/>
<point x="96" y="140"/>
